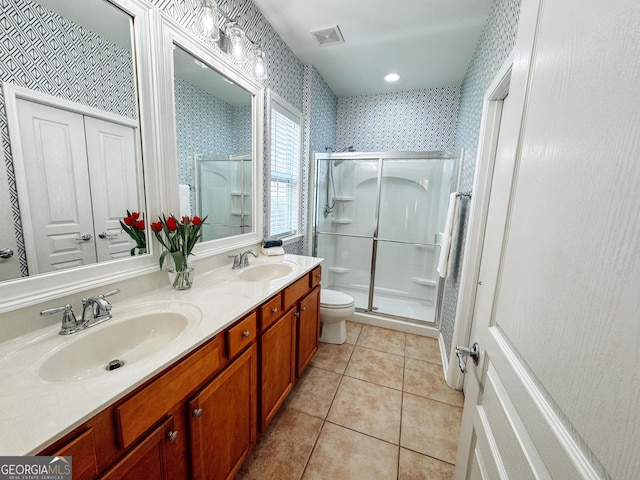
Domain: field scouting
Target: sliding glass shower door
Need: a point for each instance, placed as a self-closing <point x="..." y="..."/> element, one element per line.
<point x="378" y="224"/>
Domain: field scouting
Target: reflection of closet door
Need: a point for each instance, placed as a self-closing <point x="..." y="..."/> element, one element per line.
<point x="53" y="188"/>
<point x="114" y="184"/>
<point x="9" y="267"/>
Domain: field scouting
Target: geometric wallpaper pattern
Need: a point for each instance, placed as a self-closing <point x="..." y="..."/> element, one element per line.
<point x="495" y="44"/>
<point x="45" y="52"/>
<point x="416" y="120"/>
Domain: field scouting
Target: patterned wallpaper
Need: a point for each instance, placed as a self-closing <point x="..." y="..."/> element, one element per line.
<point x="496" y="42"/>
<point x="405" y="121"/>
<point x="62" y="59"/>
<point x="321" y="110"/>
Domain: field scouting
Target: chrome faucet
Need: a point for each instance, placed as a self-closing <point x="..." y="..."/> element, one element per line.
<point x="244" y="258"/>
<point x="241" y="260"/>
<point x="98" y="306"/>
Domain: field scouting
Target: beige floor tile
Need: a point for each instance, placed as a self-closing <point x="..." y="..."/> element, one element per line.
<point x="427" y="380"/>
<point x="332" y="357"/>
<point x="414" y="466"/>
<point x="342" y="454"/>
<point x="376" y="367"/>
<point x="314" y="392"/>
<point x="353" y="332"/>
<point x="423" y="348"/>
<point x="382" y="339"/>
<point x="284" y="448"/>
<point x="430" y="427"/>
<point x="368" y="408"/>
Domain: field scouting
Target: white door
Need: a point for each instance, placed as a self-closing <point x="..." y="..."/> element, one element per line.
<point x="53" y="188"/>
<point x="111" y="151"/>
<point x="9" y="260"/>
<point x="557" y="390"/>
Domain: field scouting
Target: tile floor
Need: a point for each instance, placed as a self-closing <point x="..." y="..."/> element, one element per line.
<point x="374" y="408"/>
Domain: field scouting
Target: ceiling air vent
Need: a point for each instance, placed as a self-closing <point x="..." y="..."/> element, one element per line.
<point x="328" y="35"/>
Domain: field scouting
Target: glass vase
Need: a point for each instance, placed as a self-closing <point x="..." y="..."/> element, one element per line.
<point x="181" y="278"/>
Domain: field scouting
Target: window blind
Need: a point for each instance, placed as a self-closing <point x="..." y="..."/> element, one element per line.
<point x="285" y="168"/>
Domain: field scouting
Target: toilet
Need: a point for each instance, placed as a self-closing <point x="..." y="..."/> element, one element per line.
<point x="335" y="308"/>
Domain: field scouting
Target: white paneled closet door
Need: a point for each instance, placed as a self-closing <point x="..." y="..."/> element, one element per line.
<point x="111" y="150"/>
<point x="556" y="392"/>
<point x="53" y="188"/>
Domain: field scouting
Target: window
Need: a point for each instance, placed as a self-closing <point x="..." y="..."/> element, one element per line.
<point x="285" y="169"/>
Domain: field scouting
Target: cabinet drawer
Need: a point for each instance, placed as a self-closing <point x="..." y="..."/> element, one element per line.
<point x="242" y="334"/>
<point x="316" y="277"/>
<point x="143" y="410"/>
<point x="296" y="291"/>
<point x="83" y="450"/>
<point x="271" y="311"/>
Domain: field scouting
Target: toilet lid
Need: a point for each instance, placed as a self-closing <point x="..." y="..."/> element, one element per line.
<point x="334" y="299"/>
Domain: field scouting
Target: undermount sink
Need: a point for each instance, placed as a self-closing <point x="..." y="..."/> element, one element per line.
<point x="130" y="336"/>
<point x="266" y="271"/>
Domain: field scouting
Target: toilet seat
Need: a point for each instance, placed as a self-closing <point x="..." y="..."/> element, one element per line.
<point x="332" y="299"/>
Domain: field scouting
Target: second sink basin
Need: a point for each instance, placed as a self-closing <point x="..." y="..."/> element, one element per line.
<point x="130" y="336"/>
<point x="267" y="271"/>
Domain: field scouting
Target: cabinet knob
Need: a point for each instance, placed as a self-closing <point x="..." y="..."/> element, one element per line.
<point x="303" y="308"/>
<point x="246" y="333"/>
<point x="172" y="435"/>
<point x="197" y="412"/>
<point x="274" y="310"/>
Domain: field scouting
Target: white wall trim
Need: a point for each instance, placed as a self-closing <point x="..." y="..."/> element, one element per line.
<point x="487" y="143"/>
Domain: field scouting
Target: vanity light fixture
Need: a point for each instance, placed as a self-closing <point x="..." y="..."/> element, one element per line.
<point x="230" y="37"/>
<point x="260" y="68"/>
<point x="392" y="77"/>
<point x="209" y="20"/>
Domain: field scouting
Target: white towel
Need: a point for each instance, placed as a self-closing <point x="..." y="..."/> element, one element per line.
<point x="273" y="251"/>
<point x="185" y="200"/>
<point x="445" y="246"/>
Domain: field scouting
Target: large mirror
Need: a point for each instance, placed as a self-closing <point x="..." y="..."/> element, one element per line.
<point x="73" y="165"/>
<point x="218" y="132"/>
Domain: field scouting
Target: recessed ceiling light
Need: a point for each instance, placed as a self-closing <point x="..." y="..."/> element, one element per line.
<point x="392" y="77"/>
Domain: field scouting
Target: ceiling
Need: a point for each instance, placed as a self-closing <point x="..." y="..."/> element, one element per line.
<point x="429" y="43"/>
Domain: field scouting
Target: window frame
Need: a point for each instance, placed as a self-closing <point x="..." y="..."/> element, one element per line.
<point x="284" y="108"/>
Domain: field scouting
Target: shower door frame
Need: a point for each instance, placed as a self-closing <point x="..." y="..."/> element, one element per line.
<point x="380" y="157"/>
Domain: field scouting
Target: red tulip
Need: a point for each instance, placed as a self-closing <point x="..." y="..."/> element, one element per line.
<point x="197" y="220"/>
<point x="139" y="224"/>
<point x="156" y="227"/>
<point x="172" y="224"/>
<point x="185" y="220"/>
<point x="129" y="221"/>
<point x="135" y="215"/>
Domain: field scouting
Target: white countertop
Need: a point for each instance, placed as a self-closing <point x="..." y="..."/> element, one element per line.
<point x="35" y="413"/>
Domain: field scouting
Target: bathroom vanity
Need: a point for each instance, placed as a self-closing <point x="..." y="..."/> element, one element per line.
<point x="196" y="414"/>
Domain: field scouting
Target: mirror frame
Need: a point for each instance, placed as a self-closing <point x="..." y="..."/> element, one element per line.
<point x="174" y="34"/>
<point x="27" y="291"/>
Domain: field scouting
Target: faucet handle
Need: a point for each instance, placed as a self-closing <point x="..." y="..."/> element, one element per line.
<point x="110" y="292"/>
<point x="69" y="321"/>
<point x="236" y="260"/>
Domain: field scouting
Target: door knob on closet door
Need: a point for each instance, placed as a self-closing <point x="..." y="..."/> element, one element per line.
<point x="84" y="238"/>
<point x="6" y="253"/>
<point x="473" y="352"/>
<point x="104" y="235"/>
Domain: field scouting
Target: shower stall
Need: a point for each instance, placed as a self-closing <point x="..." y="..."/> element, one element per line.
<point x="378" y="224"/>
<point x="223" y="193"/>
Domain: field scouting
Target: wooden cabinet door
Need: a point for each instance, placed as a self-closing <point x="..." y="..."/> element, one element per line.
<point x="308" y="329"/>
<point x="152" y="457"/>
<point x="278" y="358"/>
<point x="223" y="420"/>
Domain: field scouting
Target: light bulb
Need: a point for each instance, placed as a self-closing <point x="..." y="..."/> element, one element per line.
<point x="237" y="42"/>
<point x="209" y="20"/>
<point x="260" y="68"/>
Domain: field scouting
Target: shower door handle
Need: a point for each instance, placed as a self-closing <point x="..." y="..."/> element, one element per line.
<point x="473" y="352"/>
